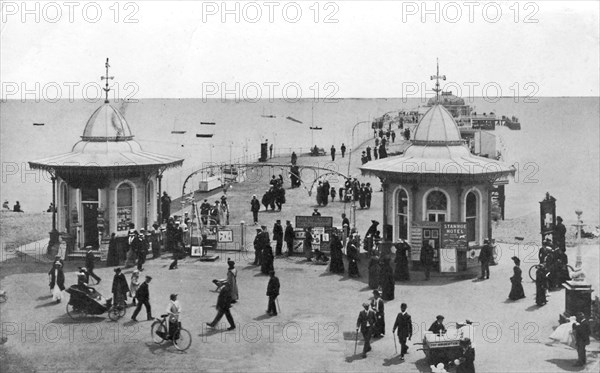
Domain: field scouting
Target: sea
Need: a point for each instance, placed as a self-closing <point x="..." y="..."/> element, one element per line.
<point x="556" y="151"/>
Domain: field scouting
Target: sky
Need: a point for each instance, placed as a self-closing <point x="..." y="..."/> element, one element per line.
<point x="271" y="49"/>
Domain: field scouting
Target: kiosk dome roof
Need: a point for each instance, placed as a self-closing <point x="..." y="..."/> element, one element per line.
<point x="107" y="124"/>
<point x="437" y="127"/>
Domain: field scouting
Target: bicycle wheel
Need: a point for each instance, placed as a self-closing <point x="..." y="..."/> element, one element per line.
<point x="182" y="340"/>
<point x="158" y="330"/>
<point x="75" y="313"/>
<point x="532" y="271"/>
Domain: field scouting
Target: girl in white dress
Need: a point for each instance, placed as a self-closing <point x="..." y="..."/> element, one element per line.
<point x="564" y="333"/>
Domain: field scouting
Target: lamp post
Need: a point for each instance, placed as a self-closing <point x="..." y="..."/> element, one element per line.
<point x="349" y="162"/>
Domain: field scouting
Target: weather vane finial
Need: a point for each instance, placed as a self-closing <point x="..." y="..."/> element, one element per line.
<point x="106" y="88"/>
<point x="437" y="78"/>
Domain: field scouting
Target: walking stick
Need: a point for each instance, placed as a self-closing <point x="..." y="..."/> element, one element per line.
<point x="355" y="341"/>
<point x="278" y="306"/>
<point x="395" y="346"/>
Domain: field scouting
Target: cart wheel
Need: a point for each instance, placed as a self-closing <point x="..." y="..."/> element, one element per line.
<point x="116" y="312"/>
<point x="158" y="332"/>
<point x="75" y="313"/>
<point x="183" y="340"/>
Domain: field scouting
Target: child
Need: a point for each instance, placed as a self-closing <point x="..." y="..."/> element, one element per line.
<point x="332" y="194"/>
<point x="134" y="284"/>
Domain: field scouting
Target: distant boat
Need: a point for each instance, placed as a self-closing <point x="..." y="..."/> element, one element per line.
<point x="294" y="119"/>
<point x="178" y="132"/>
<point x="207" y="123"/>
<point x="206" y="135"/>
<point x="39" y="124"/>
<point x="316" y="128"/>
<point x="271" y="116"/>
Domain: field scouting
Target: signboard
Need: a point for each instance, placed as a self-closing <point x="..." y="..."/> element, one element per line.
<point x="225" y="235"/>
<point x="314" y="221"/>
<point x="416" y="241"/>
<point x="454" y="238"/>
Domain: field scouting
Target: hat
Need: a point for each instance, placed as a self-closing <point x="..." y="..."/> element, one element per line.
<point x="278" y="220"/>
<point x="258" y="230"/>
<point x="117" y="270"/>
<point x="465" y="342"/>
<point x="271" y="272"/>
<point x="439" y="317"/>
<point x="559" y="218"/>
<point x="231" y="263"/>
<point x="376" y="292"/>
<point x="83" y="269"/>
<point x="366" y="305"/>
<point x="136" y="271"/>
<point x="485" y="240"/>
<point x="316" y="209"/>
<point x="263" y="226"/>
<point x="172" y="296"/>
<point x="288" y="222"/>
<point x="58" y="263"/>
<point x="149" y="277"/>
<point x="374" y="222"/>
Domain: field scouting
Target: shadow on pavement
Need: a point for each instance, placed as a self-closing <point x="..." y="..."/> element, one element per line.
<point x="567" y="365"/>
<point x="352" y="358"/>
<point x="393" y="361"/>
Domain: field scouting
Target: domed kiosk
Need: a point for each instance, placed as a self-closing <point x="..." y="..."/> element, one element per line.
<point x="104" y="184"/>
<point x="438" y="192"/>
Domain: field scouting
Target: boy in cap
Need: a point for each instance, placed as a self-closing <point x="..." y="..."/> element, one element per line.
<point x="143" y="297"/>
<point x="223" y="306"/>
<point x="438" y="326"/>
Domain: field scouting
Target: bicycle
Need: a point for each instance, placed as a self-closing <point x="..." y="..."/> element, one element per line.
<point x="182" y="338"/>
<point x="533" y="269"/>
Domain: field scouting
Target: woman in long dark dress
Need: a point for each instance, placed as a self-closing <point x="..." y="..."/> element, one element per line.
<point x="402" y="252"/>
<point x="353" y="258"/>
<point x="386" y="276"/>
<point x="112" y="258"/>
<point x="374" y="269"/>
<point x="337" y="264"/>
<point x="516" y="290"/>
<point x="541" y="284"/>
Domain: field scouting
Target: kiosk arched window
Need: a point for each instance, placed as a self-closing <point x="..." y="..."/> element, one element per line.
<point x="437" y="205"/>
<point x="64" y="207"/>
<point x="471" y="216"/>
<point x="150" y="200"/>
<point x="124" y="206"/>
<point x="402" y="211"/>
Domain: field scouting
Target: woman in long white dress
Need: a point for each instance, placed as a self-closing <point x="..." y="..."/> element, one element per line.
<point x="564" y="333"/>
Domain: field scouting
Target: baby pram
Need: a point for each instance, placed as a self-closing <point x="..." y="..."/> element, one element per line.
<point x="86" y="301"/>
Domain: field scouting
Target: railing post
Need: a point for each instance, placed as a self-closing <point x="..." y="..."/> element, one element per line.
<point x="242" y="235"/>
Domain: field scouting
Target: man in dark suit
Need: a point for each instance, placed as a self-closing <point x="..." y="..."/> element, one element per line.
<point x="438" y="325"/>
<point x="581" y="332"/>
<point x="272" y="293"/>
<point x="257" y="247"/>
<point x="485" y="256"/>
<point x="404" y="325"/>
<point x="223" y="306"/>
<point x="366" y="320"/>
<point x="288" y="237"/>
<point x="278" y="237"/>
<point x="378" y="307"/>
<point x="143" y="296"/>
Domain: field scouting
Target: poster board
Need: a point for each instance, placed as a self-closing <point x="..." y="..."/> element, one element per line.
<point x="225" y="235"/>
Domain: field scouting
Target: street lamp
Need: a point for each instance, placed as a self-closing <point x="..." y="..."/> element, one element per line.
<point x="349" y="162"/>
